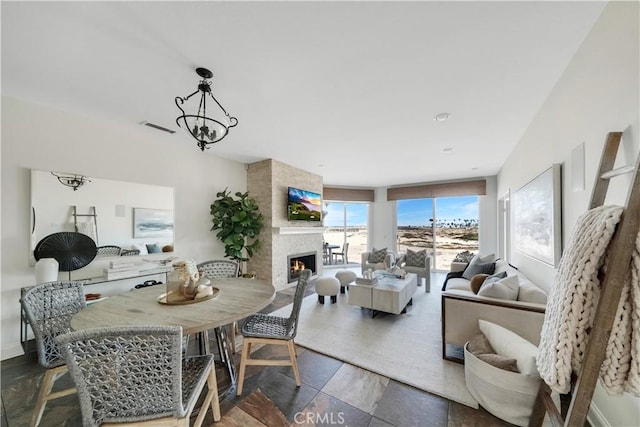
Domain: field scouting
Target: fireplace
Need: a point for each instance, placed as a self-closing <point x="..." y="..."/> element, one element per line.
<point x="299" y="262"/>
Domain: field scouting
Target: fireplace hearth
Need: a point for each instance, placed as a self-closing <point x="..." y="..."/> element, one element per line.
<point x="299" y="262"/>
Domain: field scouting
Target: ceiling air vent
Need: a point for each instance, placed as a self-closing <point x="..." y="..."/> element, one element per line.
<point x="155" y="126"/>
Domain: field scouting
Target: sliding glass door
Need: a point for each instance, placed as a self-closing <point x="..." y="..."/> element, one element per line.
<point x="456" y="228"/>
<point x="444" y="226"/>
<point x="415" y="225"/>
<point x="346" y="222"/>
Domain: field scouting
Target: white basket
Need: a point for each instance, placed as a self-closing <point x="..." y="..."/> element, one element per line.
<point x="507" y="395"/>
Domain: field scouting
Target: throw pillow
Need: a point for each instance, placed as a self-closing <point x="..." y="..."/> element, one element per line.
<point x="506" y="288"/>
<point x="497" y="276"/>
<point x="483" y="258"/>
<point x="415" y="259"/>
<point x="154" y="248"/>
<point x="477" y="281"/>
<point x="377" y="255"/>
<point x="141" y="247"/>
<point x="500" y="362"/>
<point x="478" y="268"/>
<point x="529" y="292"/>
<point x="479" y="344"/>
<point x="512" y="345"/>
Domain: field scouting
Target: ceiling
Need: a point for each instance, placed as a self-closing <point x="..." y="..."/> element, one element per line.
<point x="346" y="90"/>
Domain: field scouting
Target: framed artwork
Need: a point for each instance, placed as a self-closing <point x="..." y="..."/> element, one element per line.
<point x="537" y="217"/>
<point x="152" y="222"/>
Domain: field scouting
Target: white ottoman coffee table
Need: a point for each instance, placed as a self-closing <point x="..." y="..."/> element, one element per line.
<point x="389" y="295"/>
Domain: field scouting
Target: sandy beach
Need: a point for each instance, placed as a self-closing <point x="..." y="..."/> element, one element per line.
<point x="449" y="241"/>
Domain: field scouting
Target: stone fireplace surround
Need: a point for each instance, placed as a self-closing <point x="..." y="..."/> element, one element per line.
<point x="267" y="183"/>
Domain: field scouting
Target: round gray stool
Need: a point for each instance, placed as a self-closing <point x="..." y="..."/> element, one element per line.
<point x="345" y="277"/>
<point x="327" y="287"/>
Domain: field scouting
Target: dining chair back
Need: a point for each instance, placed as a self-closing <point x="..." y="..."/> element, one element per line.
<point x="136" y="375"/>
<point x="49" y="308"/>
<point x="109" y="250"/>
<point x="219" y="268"/>
<point x="130" y="252"/>
<point x="267" y="329"/>
<point x="344" y="254"/>
<point x="325" y="253"/>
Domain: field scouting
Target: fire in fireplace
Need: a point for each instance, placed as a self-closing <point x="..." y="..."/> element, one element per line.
<point x="299" y="262"/>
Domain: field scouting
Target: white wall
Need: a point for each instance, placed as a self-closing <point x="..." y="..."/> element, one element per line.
<point x="488" y="219"/>
<point x="598" y="93"/>
<point x="382" y="222"/>
<point x="42" y="138"/>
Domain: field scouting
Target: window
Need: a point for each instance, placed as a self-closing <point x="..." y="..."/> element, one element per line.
<point x="346" y="222"/>
<point x="444" y="226"/>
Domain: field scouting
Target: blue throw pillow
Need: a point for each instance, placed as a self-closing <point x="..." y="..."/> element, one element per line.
<point x="497" y="276"/>
<point x="154" y="248"/>
<point x="478" y="268"/>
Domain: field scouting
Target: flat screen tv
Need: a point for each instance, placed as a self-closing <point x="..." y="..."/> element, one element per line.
<point x="303" y="205"/>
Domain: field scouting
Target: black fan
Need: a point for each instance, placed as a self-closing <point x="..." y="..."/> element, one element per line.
<point x="71" y="250"/>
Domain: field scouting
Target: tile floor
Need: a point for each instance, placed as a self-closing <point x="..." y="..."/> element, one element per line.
<point x="333" y="393"/>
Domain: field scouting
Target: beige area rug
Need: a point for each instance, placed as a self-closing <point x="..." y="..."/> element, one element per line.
<point x="406" y="347"/>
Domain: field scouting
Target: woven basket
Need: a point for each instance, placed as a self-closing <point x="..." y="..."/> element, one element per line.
<point x="507" y="395"/>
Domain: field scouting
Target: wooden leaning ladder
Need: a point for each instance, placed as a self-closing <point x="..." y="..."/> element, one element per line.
<point x="620" y="250"/>
<point x="92" y="214"/>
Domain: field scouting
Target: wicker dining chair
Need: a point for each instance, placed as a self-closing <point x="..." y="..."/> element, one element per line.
<point x="49" y="308"/>
<point x="130" y="252"/>
<point x="220" y="269"/>
<point x="266" y="329"/>
<point x="109" y="250"/>
<point x="136" y="375"/>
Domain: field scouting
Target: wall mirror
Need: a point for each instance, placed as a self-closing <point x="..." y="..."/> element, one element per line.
<point x="126" y="215"/>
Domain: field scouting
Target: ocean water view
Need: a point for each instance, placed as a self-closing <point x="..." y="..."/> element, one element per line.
<point x="452" y="220"/>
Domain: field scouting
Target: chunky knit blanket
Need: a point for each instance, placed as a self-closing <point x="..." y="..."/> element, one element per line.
<point x="572" y="304"/>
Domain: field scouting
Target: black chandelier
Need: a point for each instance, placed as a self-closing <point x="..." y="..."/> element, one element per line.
<point x="206" y="130"/>
<point x="72" y="181"/>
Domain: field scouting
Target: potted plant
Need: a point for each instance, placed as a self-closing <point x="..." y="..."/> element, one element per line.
<point x="239" y="222"/>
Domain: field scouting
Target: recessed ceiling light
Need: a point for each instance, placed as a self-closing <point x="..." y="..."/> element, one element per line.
<point x="442" y="117"/>
<point x="474" y="169"/>
<point x="447" y="150"/>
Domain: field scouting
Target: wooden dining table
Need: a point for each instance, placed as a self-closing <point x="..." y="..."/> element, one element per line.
<point x="236" y="299"/>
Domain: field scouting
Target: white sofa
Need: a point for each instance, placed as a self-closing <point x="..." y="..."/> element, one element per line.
<point x="461" y="309"/>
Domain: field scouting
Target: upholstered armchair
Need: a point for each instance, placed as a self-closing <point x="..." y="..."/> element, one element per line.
<point x="370" y="262"/>
<point x="418" y="263"/>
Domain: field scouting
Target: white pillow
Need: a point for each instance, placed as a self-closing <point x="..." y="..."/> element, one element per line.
<point x="512" y="345"/>
<point x="486" y="258"/>
<point x="141" y="247"/>
<point x="531" y="293"/>
<point x="506" y="288"/>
